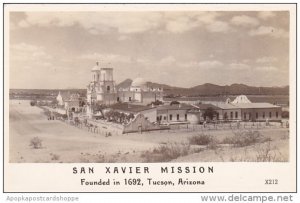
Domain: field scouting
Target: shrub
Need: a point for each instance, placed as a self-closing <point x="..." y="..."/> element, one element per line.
<point x="174" y="103"/>
<point x="269" y="154"/>
<point x="32" y="103"/>
<point x="36" y="143"/>
<point x="202" y="139"/>
<point x="165" y="153"/>
<point x="245" y="138"/>
<point x="55" y="157"/>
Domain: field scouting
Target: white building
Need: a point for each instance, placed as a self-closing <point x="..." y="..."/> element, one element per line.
<point x="101" y="89"/>
<point x="140" y="92"/>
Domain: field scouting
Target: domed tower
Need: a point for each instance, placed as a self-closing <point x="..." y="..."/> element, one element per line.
<point x="96" y="73"/>
<point x="93" y="85"/>
<point x="101" y="89"/>
<point x="138" y="86"/>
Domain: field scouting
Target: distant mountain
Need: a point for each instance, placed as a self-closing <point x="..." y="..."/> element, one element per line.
<point x="206" y="89"/>
<point x="209" y="89"/>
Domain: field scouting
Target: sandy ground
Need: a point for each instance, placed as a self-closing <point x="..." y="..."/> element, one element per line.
<point x="68" y="144"/>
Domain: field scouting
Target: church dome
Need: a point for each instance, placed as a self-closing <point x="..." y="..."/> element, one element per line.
<point x="139" y="82"/>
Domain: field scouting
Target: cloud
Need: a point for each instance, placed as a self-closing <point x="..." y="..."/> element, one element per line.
<point x="266" y="59"/>
<point x="269" y="30"/>
<point x="169" y="60"/>
<point x="266" y="68"/>
<point x="25" y="57"/>
<point x="95" y="22"/>
<point x="244" y="20"/>
<point x="218" y="26"/>
<point x="26" y="52"/>
<point x="123" y="37"/>
<point x="238" y="66"/>
<point x="181" y="24"/>
<point x="207" y="17"/>
<point x="266" y="15"/>
<point x="106" y="58"/>
<point x="127" y="22"/>
<point x="208" y="64"/>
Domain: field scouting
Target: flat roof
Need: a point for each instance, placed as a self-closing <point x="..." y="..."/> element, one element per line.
<point x="227" y="106"/>
<point x="256" y="105"/>
<point x="175" y="107"/>
<point x="130" y="107"/>
<point x="246" y="106"/>
<point x="206" y="106"/>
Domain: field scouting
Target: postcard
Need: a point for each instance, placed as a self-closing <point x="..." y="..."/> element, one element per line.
<point x="150" y="98"/>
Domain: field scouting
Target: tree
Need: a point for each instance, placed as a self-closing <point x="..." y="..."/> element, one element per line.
<point x="174" y="103"/>
<point x="156" y="103"/>
<point x="33" y="103"/>
<point x="209" y="113"/>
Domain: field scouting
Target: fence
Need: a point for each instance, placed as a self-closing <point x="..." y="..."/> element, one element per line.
<point x="228" y="126"/>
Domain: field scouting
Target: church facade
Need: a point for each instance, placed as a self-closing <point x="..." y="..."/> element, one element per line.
<point x="102" y="89"/>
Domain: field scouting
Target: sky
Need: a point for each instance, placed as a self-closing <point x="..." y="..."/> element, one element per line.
<point x="51" y="50"/>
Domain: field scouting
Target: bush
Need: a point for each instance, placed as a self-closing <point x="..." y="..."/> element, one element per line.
<point x="36" y="143"/>
<point x="32" y="103"/>
<point x="55" y="157"/>
<point x="174" y="103"/>
<point x="245" y="138"/>
<point x="165" y="153"/>
<point x="201" y="139"/>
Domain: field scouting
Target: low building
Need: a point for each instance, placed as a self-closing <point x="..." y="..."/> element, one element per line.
<point x="228" y="111"/>
<point x="69" y="102"/>
<point x="198" y="113"/>
<point x="243" y="109"/>
<point x="62" y="97"/>
<point x="172" y="114"/>
<point x="260" y="112"/>
<point x="148" y="112"/>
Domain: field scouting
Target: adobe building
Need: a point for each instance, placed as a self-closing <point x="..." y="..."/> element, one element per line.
<point x="139" y="92"/>
<point x="243" y="109"/>
<point x="102" y="90"/>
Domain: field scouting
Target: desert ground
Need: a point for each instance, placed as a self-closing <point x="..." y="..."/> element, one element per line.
<point x="64" y="143"/>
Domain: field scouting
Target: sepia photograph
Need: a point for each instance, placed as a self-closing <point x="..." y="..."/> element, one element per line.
<point x="206" y="91"/>
<point x="149" y="86"/>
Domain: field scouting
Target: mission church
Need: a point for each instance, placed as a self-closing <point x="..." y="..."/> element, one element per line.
<point x="102" y="89"/>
